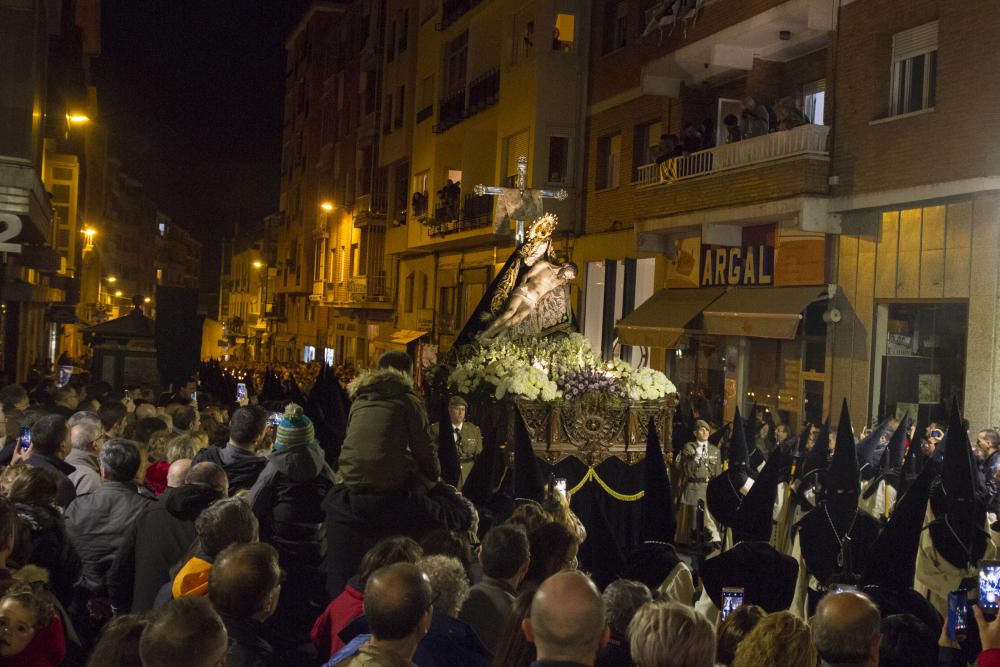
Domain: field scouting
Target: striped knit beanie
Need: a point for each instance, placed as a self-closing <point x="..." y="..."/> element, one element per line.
<point x="295" y="428"/>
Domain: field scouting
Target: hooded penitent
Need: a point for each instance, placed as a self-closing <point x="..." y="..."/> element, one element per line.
<point x="766" y="576"/>
<point x="835" y="536"/>
<point x="958" y="530"/>
<point x="658" y="519"/>
<point x="870" y="450"/>
<point x="754" y="519"/>
<point x="723" y="495"/>
<point x="893" y="559"/>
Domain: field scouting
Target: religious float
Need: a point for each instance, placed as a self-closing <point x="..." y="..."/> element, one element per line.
<point x="521" y="352"/>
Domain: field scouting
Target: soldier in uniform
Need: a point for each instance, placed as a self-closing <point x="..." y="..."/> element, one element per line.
<point x="699" y="461"/>
<point x="468" y="438"/>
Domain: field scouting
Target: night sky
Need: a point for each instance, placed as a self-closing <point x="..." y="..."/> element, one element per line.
<point x="191" y="94"/>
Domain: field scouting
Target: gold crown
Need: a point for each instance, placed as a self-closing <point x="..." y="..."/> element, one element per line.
<point x="542" y="228"/>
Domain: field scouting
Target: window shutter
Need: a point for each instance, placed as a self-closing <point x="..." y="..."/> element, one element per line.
<point x="517" y="145"/>
<point x="915" y="41"/>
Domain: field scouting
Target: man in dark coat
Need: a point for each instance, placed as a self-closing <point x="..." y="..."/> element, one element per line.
<point x="244" y="586"/>
<point x="97" y="522"/>
<point x="160" y="537"/>
<point x="50" y="443"/>
<point x="239" y="458"/>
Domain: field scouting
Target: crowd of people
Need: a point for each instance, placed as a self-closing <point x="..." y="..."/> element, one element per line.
<point x="152" y="528"/>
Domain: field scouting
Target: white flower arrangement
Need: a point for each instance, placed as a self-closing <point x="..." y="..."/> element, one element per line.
<point x="547" y="369"/>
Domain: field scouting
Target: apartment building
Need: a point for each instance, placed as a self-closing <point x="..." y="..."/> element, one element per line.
<point x="806" y="262"/>
<point x="493" y="81"/>
<point x="915" y="180"/>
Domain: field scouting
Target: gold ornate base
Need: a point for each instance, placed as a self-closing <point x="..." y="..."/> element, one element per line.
<point x="594" y="428"/>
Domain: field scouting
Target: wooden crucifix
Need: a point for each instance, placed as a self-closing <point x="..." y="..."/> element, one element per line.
<point x="520" y="203"/>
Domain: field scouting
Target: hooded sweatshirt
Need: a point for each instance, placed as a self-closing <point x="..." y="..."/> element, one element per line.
<point x="387" y="447"/>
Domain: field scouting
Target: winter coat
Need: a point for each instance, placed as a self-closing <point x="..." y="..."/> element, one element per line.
<point x="158" y="539"/>
<point x="387" y="447"/>
<point x="43" y="541"/>
<point x="287" y="501"/>
<point x="86" y="477"/>
<point x="59" y="468"/>
<point x="242" y="467"/>
<point x="247" y="648"/>
<point x="97" y="524"/>
<point x="344" y="608"/>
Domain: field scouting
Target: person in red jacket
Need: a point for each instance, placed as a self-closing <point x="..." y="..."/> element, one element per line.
<point x="989" y="635"/>
<point x="349" y="605"/>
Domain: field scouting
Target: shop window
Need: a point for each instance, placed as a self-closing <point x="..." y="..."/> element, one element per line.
<point x="328" y="356"/>
<point x="609" y="150"/>
<point x="558" y="159"/>
<point x="920" y="358"/>
<point x="613" y="289"/>
<point x="563" y="33"/>
<point x="308" y="353"/>
<point x="914" y="69"/>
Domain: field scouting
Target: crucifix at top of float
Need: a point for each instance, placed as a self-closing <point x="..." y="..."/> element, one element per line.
<point x="520" y="203"/>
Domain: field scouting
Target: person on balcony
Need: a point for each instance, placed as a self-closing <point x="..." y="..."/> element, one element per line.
<point x="787" y="115"/>
<point x="669" y="147"/>
<point x="734" y="132"/>
<point x="756" y="119"/>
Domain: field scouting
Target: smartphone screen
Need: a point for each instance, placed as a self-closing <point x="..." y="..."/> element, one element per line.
<point x="194" y="396"/>
<point x="274" y="419"/>
<point x="731" y="599"/>
<point x="561" y="486"/>
<point x="65" y="375"/>
<point x="989" y="586"/>
<point x="958" y="604"/>
<point x="24" y="439"/>
<point x="241" y="392"/>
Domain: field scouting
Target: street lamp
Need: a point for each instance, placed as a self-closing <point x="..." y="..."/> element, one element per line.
<point x="258" y="264"/>
<point x="146" y="300"/>
<point x="118" y="293"/>
<point x="77" y="118"/>
<point x="111" y="279"/>
<point x="327" y="206"/>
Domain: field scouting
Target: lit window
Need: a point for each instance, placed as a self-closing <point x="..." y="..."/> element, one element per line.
<point x="563" y="31"/>
<point x="328" y="356"/>
<point x="309" y="353"/>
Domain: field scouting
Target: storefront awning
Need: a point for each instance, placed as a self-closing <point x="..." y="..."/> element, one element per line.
<point x="661" y="320"/>
<point x="400" y="336"/>
<point x="761" y="312"/>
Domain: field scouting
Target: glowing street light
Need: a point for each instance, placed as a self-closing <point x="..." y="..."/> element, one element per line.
<point x="111" y="279"/>
<point x="118" y="292"/>
<point x="258" y="264"/>
<point x="327" y="206"/>
<point x="77" y="118"/>
<point x="146" y="300"/>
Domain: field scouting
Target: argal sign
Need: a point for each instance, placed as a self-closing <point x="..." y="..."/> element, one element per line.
<point x="723" y="266"/>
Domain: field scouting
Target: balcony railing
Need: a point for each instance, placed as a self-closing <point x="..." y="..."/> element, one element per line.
<point x="425" y="113"/>
<point x="477" y="212"/>
<point x="359" y="289"/>
<point x="802" y="140"/>
<point x="483" y="93"/>
<point x="451" y="111"/>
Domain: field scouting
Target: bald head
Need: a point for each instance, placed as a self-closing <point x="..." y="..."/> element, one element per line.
<point x="207" y="474"/>
<point x="846" y="629"/>
<point x="567" y="619"/>
<point x="398" y="602"/>
<point x="177" y="471"/>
